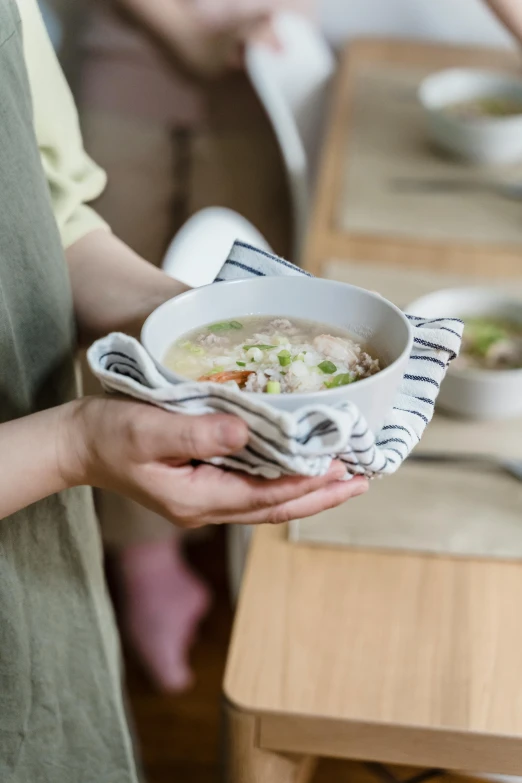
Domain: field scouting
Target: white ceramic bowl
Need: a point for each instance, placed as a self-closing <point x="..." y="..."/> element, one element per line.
<point x="483" y="140"/>
<point x="365" y="315"/>
<point x="472" y="393"/>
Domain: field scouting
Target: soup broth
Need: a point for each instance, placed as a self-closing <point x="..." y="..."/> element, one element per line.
<point x="271" y="354"/>
<point x="486" y="107"/>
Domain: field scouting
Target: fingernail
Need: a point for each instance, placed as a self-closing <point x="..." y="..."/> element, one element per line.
<point x="361" y="488"/>
<point x="232" y="434"/>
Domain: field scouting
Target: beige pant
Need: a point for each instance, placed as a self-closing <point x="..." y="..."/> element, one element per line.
<point x="158" y="177"/>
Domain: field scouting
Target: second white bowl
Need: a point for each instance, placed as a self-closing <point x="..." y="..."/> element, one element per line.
<point x="474" y="393"/>
<point x="484" y="139"/>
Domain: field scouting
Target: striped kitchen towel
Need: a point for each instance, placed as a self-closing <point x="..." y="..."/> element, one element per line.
<point x="306" y="441"/>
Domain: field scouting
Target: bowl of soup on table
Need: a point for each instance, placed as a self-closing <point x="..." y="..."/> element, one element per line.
<point x="288" y="341"/>
<point x="475" y="114"/>
<point x="485" y="381"/>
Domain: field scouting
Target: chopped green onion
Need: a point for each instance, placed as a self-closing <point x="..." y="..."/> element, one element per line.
<point x="327" y="367"/>
<point x="241" y="364"/>
<point x="299" y="358"/>
<point x="193" y="348"/>
<point x="215" y="370"/>
<point x="285" y="358"/>
<point x="343" y="379"/>
<point x="273" y="387"/>
<point x="225" y="326"/>
<point x="261" y="347"/>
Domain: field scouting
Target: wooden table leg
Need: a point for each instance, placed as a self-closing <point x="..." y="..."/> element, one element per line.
<point x="246" y="763"/>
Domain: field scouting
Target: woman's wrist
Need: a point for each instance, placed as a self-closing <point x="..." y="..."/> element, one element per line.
<point x="72" y="449"/>
<point x="39" y="457"/>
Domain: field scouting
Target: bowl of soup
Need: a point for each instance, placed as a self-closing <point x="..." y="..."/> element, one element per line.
<point x="485" y="381"/>
<point x="474" y="114"/>
<point x="288" y="341"/>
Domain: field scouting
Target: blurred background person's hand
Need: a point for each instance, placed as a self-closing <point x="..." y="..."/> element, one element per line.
<point x="510" y="14"/>
<point x="207" y="38"/>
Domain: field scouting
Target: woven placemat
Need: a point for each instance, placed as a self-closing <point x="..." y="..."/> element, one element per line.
<point x="461" y="511"/>
<point x="388" y="140"/>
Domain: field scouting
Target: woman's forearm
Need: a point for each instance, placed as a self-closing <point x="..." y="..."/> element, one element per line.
<point x="33" y="458"/>
<point x="510" y="14"/>
<point x="114" y="289"/>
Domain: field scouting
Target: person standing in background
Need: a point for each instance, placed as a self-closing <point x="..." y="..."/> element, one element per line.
<point x="168" y="111"/>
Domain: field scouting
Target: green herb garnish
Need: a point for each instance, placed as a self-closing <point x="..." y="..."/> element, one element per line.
<point x="225" y="326"/>
<point x="285" y="358"/>
<point x="261" y="347"/>
<point x="327" y="367"/>
<point x="241" y="364"/>
<point x="273" y="387"/>
<point x="343" y="379"/>
<point x="196" y="349"/>
<point x="483" y="334"/>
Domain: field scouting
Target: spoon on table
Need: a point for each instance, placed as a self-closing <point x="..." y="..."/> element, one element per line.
<point x="511" y="190"/>
<point x="511" y="466"/>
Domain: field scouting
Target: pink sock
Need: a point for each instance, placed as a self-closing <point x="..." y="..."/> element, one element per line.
<point x="163" y="604"/>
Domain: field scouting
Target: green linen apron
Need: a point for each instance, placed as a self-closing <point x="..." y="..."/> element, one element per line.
<point x="62" y="717"/>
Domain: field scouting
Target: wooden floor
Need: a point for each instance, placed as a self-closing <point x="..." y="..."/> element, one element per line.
<point x="179" y="735"/>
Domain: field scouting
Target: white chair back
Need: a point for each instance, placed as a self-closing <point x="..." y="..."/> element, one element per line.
<point x="201" y="246"/>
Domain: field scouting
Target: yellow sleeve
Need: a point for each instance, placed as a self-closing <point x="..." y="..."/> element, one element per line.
<point x="74" y="179"/>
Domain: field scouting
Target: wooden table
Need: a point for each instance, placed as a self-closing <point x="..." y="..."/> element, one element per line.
<point x="326" y="238"/>
<point x="394" y="658"/>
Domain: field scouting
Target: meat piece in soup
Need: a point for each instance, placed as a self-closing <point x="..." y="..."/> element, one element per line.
<point x="272" y="355"/>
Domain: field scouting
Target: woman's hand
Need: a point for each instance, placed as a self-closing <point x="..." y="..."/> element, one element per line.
<point x="145" y="453"/>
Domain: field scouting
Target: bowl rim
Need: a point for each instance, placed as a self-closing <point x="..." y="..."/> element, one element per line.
<point x="509" y="80"/>
<point x="325" y="394"/>
<point x="475" y="373"/>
